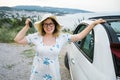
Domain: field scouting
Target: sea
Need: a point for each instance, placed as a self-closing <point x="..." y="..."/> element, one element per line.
<point x="71" y="21"/>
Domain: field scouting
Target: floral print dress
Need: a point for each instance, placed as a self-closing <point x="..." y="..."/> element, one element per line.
<point x="46" y="64"/>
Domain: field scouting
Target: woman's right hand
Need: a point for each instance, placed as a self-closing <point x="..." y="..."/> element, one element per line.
<point x="28" y="20"/>
<point x="20" y="37"/>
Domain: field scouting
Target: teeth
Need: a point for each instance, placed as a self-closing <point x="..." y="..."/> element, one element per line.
<point x="49" y="29"/>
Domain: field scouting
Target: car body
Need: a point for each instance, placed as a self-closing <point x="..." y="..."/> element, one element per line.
<point x="97" y="56"/>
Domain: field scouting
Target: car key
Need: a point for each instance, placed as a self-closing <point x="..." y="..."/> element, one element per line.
<point x="31" y="24"/>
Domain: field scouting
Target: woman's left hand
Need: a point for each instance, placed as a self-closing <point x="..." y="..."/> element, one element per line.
<point x="98" y="21"/>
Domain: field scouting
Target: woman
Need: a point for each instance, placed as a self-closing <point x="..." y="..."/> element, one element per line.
<point x="48" y="42"/>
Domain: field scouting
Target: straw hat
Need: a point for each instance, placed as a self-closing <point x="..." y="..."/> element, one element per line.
<point x="38" y="23"/>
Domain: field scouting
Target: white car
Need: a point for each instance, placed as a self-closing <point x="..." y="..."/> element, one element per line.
<point x="97" y="56"/>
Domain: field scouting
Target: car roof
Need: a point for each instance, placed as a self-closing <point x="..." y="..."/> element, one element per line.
<point x="107" y="18"/>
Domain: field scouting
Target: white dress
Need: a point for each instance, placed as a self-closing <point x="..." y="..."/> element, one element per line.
<point x="46" y="63"/>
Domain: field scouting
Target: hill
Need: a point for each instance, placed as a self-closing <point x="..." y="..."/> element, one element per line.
<point x="6" y="8"/>
<point x="46" y="9"/>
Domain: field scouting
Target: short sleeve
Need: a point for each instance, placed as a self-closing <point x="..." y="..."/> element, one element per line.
<point x="65" y="38"/>
<point x="31" y="38"/>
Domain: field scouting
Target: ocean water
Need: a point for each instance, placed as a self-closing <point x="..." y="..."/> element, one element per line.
<point x="70" y="21"/>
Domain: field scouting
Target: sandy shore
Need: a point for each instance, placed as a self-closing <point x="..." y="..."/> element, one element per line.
<point x="15" y="63"/>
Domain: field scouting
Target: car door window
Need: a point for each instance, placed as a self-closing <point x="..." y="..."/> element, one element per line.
<point x="86" y="45"/>
<point x="78" y="30"/>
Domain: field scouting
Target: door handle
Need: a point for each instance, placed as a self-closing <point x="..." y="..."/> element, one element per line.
<point x="73" y="61"/>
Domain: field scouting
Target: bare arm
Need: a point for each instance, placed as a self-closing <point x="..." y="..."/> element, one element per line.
<point x="82" y="34"/>
<point x="20" y="37"/>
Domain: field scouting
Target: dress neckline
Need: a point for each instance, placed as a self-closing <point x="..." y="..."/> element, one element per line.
<point x="48" y="45"/>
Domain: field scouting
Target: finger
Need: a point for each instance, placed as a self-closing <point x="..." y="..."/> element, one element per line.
<point x="101" y="20"/>
<point x="28" y="19"/>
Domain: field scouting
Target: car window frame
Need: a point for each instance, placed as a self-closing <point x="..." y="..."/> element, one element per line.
<point x="117" y="33"/>
<point x="111" y="33"/>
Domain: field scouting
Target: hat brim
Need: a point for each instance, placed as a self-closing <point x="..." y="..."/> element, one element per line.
<point x="39" y="23"/>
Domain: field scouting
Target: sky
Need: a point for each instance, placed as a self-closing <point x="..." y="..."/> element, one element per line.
<point x="90" y="5"/>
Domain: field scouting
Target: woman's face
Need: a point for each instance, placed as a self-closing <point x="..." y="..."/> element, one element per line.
<point x="48" y="26"/>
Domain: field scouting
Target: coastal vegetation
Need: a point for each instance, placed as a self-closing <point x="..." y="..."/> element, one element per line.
<point x="10" y="27"/>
